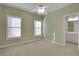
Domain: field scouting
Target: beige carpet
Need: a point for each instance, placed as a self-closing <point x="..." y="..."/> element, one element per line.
<point x="40" y="48"/>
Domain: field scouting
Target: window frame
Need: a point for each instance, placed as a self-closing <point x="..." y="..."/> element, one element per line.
<point x="68" y="26"/>
<point x="13" y="38"/>
<point x="38" y="27"/>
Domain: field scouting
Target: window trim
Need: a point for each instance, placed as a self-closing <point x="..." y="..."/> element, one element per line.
<point x="13" y="38"/>
<point x="34" y="28"/>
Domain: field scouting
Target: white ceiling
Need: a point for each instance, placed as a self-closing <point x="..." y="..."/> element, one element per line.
<point x="51" y="7"/>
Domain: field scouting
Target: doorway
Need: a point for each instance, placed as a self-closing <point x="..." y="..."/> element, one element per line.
<point x="71" y="28"/>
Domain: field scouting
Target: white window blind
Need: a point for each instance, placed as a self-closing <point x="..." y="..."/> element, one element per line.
<point x="37" y="25"/>
<point x="14" y="27"/>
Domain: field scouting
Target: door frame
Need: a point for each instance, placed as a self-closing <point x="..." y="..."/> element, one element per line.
<point x="77" y="13"/>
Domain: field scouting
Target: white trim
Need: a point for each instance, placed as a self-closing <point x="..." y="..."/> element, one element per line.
<point x="55" y="42"/>
<point x="62" y="44"/>
<point x="64" y="30"/>
<point x="53" y="36"/>
<point x="8" y="15"/>
<point x="35" y="28"/>
<point x="77" y="13"/>
<point x="78" y="32"/>
<point x="4" y="46"/>
<point x="64" y="23"/>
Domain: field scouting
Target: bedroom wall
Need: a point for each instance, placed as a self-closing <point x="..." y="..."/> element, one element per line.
<point x="27" y="24"/>
<point x="54" y="22"/>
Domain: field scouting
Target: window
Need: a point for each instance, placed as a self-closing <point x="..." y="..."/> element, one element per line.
<point x="37" y="27"/>
<point x="70" y="26"/>
<point x="14" y="27"/>
<point x="72" y="23"/>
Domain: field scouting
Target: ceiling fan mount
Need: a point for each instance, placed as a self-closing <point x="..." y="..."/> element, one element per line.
<point x="40" y="9"/>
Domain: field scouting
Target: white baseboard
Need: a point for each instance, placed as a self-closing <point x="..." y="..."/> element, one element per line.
<point x="62" y="44"/>
<point x="4" y="46"/>
<point x="55" y="42"/>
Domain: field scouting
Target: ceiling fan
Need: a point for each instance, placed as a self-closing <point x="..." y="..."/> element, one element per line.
<point x="40" y="9"/>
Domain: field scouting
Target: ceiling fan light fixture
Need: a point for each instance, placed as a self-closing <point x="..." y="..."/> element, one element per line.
<point x="41" y="10"/>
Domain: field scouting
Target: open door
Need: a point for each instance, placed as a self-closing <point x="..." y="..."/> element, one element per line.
<point x="71" y="29"/>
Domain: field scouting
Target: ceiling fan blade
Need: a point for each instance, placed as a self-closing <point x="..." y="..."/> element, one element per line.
<point x="34" y="10"/>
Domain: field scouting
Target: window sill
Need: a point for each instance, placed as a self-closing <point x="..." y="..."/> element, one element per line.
<point x="38" y="35"/>
<point x="72" y="32"/>
<point x="15" y="38"/>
